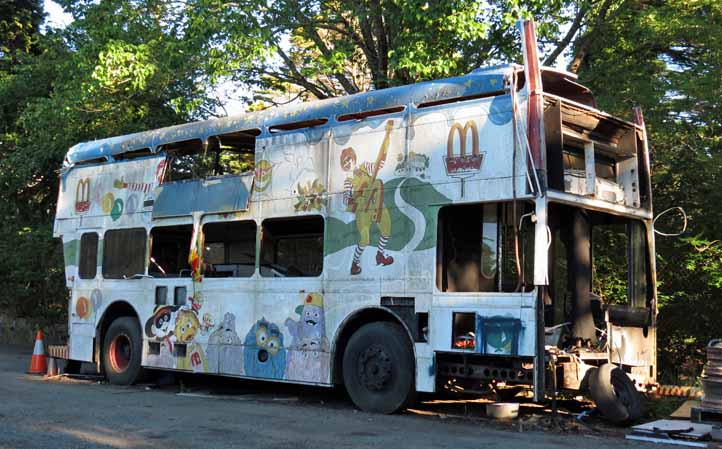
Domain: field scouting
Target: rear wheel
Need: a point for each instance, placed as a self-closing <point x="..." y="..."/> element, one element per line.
<point x="615" y="394"/>
<point x="122" y="350"/>
<point x="379" y="369"/>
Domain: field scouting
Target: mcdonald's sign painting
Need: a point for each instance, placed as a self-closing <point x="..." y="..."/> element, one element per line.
<point x="469" y="160"/>
<point x="82" y="196"/>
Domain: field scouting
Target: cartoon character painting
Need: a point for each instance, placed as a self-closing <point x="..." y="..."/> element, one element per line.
<point x="364" y="195"/>
<point x="308" y="357"/>
<point x="263" y="354"/>
<point x="170" y="325"/>
<point x="224" y="347"/>
<point x="186" y="326"/>
<point x="195" y="359"/>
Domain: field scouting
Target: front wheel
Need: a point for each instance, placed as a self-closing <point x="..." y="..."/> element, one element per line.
<point x="122" y="351"/>
<point x="379" y="369"/>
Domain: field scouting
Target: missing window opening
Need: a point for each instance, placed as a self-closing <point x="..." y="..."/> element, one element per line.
<point x="476" y="248"/>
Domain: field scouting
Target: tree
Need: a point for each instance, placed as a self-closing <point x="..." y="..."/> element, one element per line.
<point x="667" y="57"/>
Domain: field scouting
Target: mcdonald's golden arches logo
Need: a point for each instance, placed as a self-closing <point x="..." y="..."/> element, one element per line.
<point x="82" y="195"/>
<point x="463" y="164"/>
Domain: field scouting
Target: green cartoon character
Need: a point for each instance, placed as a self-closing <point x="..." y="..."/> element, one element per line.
<point x="364" y="196"/>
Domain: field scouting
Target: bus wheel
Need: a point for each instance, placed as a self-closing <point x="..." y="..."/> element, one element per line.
<point x="615" y="394"/>
<point x="379" y="369"/>
<point x="122" y="349"/>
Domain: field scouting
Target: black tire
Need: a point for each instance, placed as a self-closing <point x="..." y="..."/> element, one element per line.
<point x="615" y="394"/>
<point x="379" y="371"/>
<point x="122" y="351"/>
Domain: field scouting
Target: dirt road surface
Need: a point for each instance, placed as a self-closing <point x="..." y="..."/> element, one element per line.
<point x="210" y="412"/>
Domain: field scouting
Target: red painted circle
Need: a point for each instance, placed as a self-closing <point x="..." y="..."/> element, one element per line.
<point x="120" y="353"/>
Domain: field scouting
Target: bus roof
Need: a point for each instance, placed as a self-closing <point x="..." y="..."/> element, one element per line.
<point x="479" y="82"/>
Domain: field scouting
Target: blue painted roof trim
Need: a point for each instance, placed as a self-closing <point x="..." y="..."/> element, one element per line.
<point x="478" y="82"/>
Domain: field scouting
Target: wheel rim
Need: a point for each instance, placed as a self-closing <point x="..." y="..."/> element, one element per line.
<point x="120" y="353"/>
<point x="374" y="368"/>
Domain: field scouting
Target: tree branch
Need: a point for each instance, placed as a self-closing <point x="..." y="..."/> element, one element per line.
<point x="298" y="78"/>
<point x="590" y="36"/>
<point x="564" y="43"/>
<point x="339" y="75"/>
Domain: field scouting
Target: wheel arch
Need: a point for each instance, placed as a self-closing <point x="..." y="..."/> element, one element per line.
<point x="115" y="310"/>
<point x="354" y="321"/>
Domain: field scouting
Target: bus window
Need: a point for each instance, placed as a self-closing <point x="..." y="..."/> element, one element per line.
<point x="292" y="247"/>
<point x="230" y="249"/>
<point x="169" y="248"/>
<point x="224" y="154"/>
<point x="88" y="265"/>
<point x="476" y="249"/>
<point x="124" y="253"/>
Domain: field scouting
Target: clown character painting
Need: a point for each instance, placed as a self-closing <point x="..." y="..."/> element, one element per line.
<point x="364" y="196"/>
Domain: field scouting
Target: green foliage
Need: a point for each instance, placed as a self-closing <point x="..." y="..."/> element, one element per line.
<point x="667" y="57"/>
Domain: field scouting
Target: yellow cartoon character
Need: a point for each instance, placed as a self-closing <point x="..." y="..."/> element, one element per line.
<point x="186" y="326"/>
<point x="364" y="195"/>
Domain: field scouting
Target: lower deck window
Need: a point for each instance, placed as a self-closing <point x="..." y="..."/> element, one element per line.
<point x="292" y="247"/>
<point x="170" y="246"/>
<point x="230" y="249"/>
<point x="479" y="251"/>
<point x="88" y="264"/>
<point x="124" y="253"/>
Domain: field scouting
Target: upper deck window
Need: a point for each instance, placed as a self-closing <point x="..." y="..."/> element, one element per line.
<point x="223" y="154"/>
<point x="133" y="154"/>
<point x="367" y="114"/>
<point x="297" y="125"/>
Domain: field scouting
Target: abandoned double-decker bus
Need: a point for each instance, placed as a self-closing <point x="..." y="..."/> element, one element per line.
<point x="488" y="229"/>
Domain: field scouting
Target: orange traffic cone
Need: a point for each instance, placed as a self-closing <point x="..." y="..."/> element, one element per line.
<point x="37" y="362"/>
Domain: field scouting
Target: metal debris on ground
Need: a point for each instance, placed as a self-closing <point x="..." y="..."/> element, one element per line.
<point x="678" y="432"/>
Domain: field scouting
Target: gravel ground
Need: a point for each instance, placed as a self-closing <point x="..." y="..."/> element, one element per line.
<point x="212" y="412"/>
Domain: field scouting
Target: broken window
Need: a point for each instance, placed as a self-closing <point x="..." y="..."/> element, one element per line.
<point x="598" y="261"/>
<point x="292" y="247"/>
<point x="88" y="265"/>
<point x="124" y="253"/>
<point x="477" y="249"/>
<point x="230" y="249"/>
<point x="170" y="246"/>
<point x="224" y="154"/>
